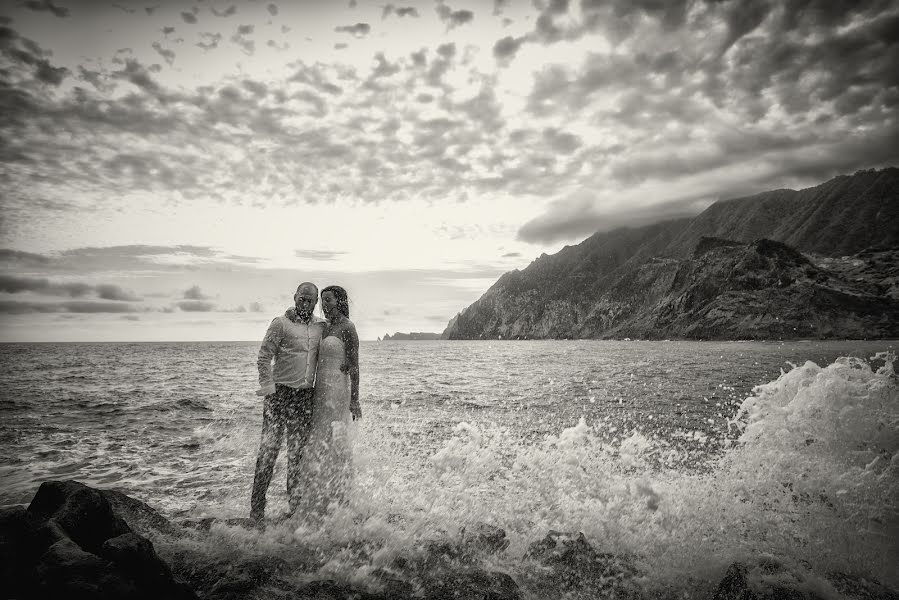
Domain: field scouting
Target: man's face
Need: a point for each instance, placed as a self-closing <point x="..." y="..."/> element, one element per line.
<point x="305" y="300"/>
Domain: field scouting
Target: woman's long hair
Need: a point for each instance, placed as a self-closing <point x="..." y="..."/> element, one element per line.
<point x="343" y="301"/>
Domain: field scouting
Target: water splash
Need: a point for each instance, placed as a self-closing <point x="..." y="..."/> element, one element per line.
<point x="811" y="480"/>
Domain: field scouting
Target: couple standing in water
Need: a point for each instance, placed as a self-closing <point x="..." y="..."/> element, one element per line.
<point x="309" y="376"/>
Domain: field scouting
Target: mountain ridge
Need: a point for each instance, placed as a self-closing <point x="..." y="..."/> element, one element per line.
<point x="686" y="277"/>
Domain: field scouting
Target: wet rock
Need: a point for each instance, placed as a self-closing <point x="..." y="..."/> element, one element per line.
<point x="67" y="571"/>
<point x="485" y="538"/>
<point x="135" y="557"/>
<point x="769" y="579"/>
<point x="203" y="524"/>
<point x="451" y="570"/>
<point x="72" y="542"/>
<point x="469" y="583"/>
<point x="220" y="579"/>
<point x="734" y="585"/>
<point x="206" y="523"/>
<point x="392" y="585"/>
<point x="332" y="590"/>
<point x="83" y="513"/>
<point x="861" y="588"/>
<point x="574" y="564"/>
<point x="17" y="530"/>
<point x="140" y="516"/>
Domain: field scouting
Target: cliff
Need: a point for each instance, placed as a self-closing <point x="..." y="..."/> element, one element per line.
<point x="768" y="266"/>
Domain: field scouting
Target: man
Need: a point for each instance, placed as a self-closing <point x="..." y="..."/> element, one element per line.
<point x="292" y="340"/>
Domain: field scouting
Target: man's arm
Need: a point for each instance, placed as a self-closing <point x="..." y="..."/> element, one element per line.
<point x="267" y="351"/>
<point x="351" y="344"/>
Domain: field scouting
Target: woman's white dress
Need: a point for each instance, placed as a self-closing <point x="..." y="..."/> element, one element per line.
<point x="326" y="465"/>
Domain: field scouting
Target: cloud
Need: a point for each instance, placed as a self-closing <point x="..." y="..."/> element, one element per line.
<point x="14" y="285"/>
<point x="248" y="46"/>
<point x="742" y="18"/>
<point x="231" y="10"/>
<point x="29" y="57"/>
<point x="114" y="292"/>
<point x="140" y="250"/>
<point x="189" y="17"/>
<point x="130" y="318"/>
<point x="195" y="306"/>
<point x="255" y="307"/>
<point x="313" y="77"/>
<point x="561" y="141"/>
<point x="357" y="30"/>
<point x="46" y="6"/>
<point x="139" y="75"/>
<point x="208" y="41"/>
<point x="798" y="92"/>
<point x="583" y="213"/>
<point x="318" y="254"/>
<point x="511" y="255"/>
<point x="507" y="47"/>
<point x="132" y="258"/>
<point x="454" y="18"/>
<point x="272" y="9"/>
<point x="195" y="293"/>
<point x="168" y="55"/>
<point x="14" y="307"/>
<point x="390" y="9"/>
<point x="10" y="256"/>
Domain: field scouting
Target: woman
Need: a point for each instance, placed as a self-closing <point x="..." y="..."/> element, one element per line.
<point x="326" y="466"/>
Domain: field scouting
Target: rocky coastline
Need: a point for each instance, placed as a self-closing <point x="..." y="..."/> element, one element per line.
<point x="75" y="541"/>
<point x="764" y="290"/>
<point x="820" y="263"/>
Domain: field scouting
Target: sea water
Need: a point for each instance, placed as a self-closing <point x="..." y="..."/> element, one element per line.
<point x="687" y="455"/>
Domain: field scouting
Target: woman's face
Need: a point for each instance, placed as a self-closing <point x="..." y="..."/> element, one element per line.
<point x="329" y="304"/>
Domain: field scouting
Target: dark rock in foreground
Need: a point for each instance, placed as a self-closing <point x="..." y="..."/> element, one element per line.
<point x="770" y="580"/>
<point x="71" y="543"/>
<point x="574" y="564"/>
<point x="77" y="542"/>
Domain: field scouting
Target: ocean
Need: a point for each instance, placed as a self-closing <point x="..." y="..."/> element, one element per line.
<point x="687" y="455"/>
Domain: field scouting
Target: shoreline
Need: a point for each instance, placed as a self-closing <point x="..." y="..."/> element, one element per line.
<point x="74" y="539"/>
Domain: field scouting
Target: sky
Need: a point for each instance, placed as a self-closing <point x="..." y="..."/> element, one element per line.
<point x="173" y="170"/>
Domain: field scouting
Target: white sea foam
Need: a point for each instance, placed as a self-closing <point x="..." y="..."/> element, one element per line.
<point x="811" y="480"/>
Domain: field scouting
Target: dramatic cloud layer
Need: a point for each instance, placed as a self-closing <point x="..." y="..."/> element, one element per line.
<point x="491" y="132"/>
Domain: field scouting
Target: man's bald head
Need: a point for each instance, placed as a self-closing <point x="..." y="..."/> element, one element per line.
<point x="305" y="299"/>
<point x="308" y="284"/>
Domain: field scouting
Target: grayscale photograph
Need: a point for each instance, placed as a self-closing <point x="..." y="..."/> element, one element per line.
<point x="449" y="299"/>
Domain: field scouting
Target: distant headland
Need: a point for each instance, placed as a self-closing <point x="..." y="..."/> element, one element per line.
<point x="414" y="336"/>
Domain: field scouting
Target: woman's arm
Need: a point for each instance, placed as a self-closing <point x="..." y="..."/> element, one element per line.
<point x="351" y="346"/>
